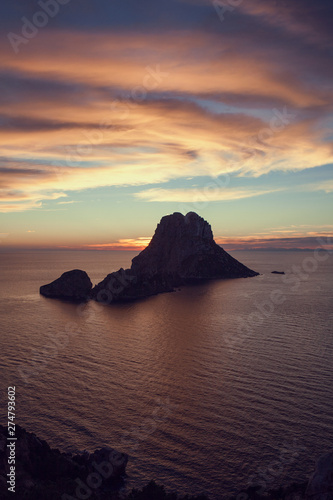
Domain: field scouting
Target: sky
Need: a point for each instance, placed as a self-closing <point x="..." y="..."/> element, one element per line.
<point x="115" y="113"/>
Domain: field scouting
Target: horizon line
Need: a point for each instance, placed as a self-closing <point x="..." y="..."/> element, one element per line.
<point x="138" y="250"/>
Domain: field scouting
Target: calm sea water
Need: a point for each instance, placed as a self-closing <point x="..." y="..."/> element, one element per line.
<point x="209" y="389"/>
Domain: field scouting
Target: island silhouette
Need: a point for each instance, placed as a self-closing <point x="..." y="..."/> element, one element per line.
<point x="181" y="252"/>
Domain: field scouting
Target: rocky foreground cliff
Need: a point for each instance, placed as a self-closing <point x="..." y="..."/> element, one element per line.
<point x="182" y="251"/>
<point x="43" y="473"/>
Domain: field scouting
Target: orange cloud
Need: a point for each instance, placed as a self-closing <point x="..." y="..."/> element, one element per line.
<point x="201" y="195"/>
<point x="132" y="244"/>
<point x="84" y="133"/>
<point x="173" y="62"/>
<point x="297" y="238"/>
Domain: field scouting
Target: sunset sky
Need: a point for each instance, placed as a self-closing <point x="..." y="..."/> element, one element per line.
<point x="115" y="113"/>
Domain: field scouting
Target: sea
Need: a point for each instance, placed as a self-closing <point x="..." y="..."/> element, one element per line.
<point x="209" y="389"/>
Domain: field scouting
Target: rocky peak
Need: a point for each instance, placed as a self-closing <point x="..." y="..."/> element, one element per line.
<point x="183" y="250"/>
<point x="177" y="226"/>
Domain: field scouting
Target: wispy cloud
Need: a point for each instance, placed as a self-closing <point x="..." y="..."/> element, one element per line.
<point x="200" y="195"/>
<point x="68" y="202"/>
<point x="288" y="239"/>
<point x="122" y="244"/>
<point x="326" y="186"/>
<point x="137" y="103"/>
<point x="139" y="109"/>
<point x="20" y="202"/>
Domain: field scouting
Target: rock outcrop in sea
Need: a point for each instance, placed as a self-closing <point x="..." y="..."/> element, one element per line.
<point x="182" y="251"/>
<point x="73" y="285"/>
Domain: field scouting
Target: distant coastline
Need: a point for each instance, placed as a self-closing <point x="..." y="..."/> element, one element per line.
<point x="73" y="249"/>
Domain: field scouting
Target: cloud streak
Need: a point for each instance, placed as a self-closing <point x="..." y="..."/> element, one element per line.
<point x="143" y="98"/>
<point x="200" y="195"/>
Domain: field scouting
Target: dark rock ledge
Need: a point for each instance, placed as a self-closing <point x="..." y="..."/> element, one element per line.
<point x="182" y="251"/>
<point x="43" y="473"/>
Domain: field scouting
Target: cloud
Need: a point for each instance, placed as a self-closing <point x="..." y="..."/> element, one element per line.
<point x="300" y="17"/>
<point x="20" y="202"/>
<point x="326" y="186"/>
<point x="300" y="240"/>
<point x="158" y="141"/>
<point x="84" y="110"/>
<point x="193" y="63"/>
<point x="68" y="202"/>
<point x="28" y="124"/>
<point x="132" y="244"/>
<point x="200" y="195"/>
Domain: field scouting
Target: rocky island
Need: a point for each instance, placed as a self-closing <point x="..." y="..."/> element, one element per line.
<point x="182" y="251"/>
<point x="73" y="285"/>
